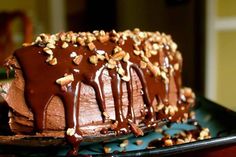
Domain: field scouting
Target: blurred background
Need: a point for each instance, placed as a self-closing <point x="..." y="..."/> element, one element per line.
<point x="205" y="31"/>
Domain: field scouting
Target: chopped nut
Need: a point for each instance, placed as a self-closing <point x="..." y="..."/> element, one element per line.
<point x="154" y="69"/>
<point x="49" y="58"/>
<point x="166" y="110"/>
<point x="114" y="125"/>
<point x="121" y="41"/>
<point x="178" y="56"/>
<point x="73" y="39"/>
<point x="117" y="49"/>
<point x="137" y="40"/>
<point x="124" y="144"/>
<point x="148" y="54"/>
<point x="70" y="131"/>
<point x="143" y="64"/>
<point x="125" y="78"/>
<point x="44" y="37"/>
<point x="173" y="46"/>
<point x="151" y="147"/>
<point x="51" y="46"/>
<point x="139" y="142"/>
<point x="48" y="50"/>
<point x="159" y="130"/>
<point x="26" y="44"/>
<point x="188" y="137"/>
<point x="193" y="140"/>
<point x="135" y="129"/>
<point x="101" y="57"/>
<point x="147" y="46"/>
<point x="93" y="59"/>
<point x="77" y="59"/>
<point x="81" y="41"/>
<point x="176" y="66"/>
<point x="103" y="38"/>
<point x="160" y="106"/>
<point x="111" y="64"/>
<point x="156" y="46"/>
<point x="182" y="133"/>
<point x="137" y="52"/>
<point x="114" y="38"/>
<point x="107" y="149"/>
<point x="176" y="109"/>
<point x="100" y="52"/>
<point x="186" y="115"/>
<point x="91" y="46"/>
<point x="53" y="61"/>
<point x="171" y="111"/>
<point x="121" y="71"/>
<point x="168" y="142"/>
<point x="163" y="75"/>
<point x="145" y="59"/>
<point x="188" y="92"/>
<point x="102" y="32"/>
<point x="179" y="141"/>
<point x="68" y="38"/>
<point x="63" y="36"/>
<point x="192" y="115"/>
<point x="119" y="55"/>
<point x="153" y="52"/>
<point x="126" y="57"/>
<point x="136" y="48"/>
<point x="156" y="64"/>
<point x="38" y="39"/>
<point x="73" y="54"/>
<point x="107" y="56"/>
<point x="65" y="80"/>
<point x="90" y="39"/>
<point x="170" y="57"/>
<point x="96" y="33"/>
<point x="112" y="61"/>
<point x="65" y="45"/>
<point x="204" y="133"/>
<point x="190" y="100"/>
<point x="105" y="114"/>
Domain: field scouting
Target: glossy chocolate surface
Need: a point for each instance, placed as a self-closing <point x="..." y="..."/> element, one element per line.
<point x="161" y="72"/>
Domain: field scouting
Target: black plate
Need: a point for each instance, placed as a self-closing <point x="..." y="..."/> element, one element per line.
<point x="218" y="119"/>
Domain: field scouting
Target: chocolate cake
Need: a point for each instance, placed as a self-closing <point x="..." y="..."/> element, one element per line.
<point x="79" y="84"/>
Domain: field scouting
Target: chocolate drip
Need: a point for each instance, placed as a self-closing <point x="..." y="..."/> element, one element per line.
<point x="72" y="115"/>
<point x="146" y="96"/>
<point x="116" y="83"/>
<point x="130" y="114"/>
<point x="97" y="84"/>
<point x="40" y="85"/>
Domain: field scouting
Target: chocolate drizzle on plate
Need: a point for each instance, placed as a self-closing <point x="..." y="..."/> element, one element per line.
<point x="58" y="65"/>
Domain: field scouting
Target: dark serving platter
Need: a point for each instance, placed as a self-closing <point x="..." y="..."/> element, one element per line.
<point x="218" y="119"/>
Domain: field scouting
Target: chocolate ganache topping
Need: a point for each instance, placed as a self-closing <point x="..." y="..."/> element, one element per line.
<point x="57" y="65"/>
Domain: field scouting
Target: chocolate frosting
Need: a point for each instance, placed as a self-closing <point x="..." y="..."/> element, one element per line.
<point x="58" y="65"/>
